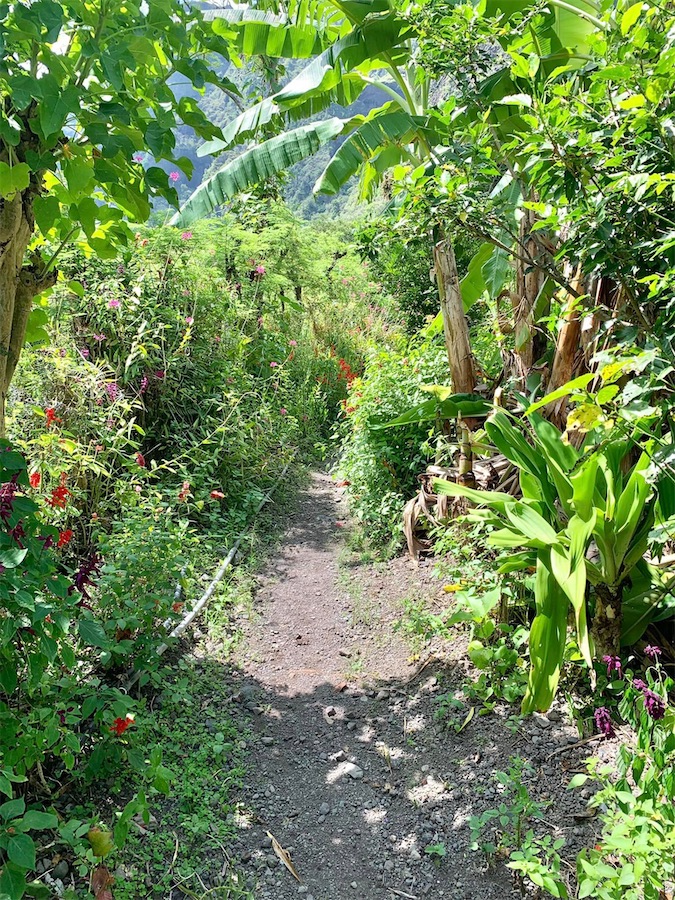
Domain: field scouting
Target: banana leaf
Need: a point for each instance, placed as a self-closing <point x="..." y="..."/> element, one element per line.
<point x="468" y="405"/>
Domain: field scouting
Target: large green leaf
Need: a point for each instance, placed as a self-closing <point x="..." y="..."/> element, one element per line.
<point x="568" y="566"/>
<point x="372" y="40"/>
<point x="387" y="125"/>
<point x="251" y="121"/>
<point x="263" y="33"/>
<point x="473" y="284"/>
<point x="630" y="506"/>
<point x="577" y="384"/>
<point x="496" y="500"/>
<point x="448" y="408"/>
<point x="547" y="638"/>
<point x="645" y="600"/>
<point x="535" y="528"/>
<point x="257" y="165"/>
<point x="510" y="441"/>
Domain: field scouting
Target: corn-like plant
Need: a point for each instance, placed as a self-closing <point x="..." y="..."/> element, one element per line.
<point x="583" y="525"/>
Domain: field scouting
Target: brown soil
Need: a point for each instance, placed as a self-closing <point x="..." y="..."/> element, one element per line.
<point x="350" y="769"/>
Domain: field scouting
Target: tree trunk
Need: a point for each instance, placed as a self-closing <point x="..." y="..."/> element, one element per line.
<point x="20" y="281"/>
<point x="567" y="350"/>
<point x="607" y="620"/>
<point x="457" y="345"/>
<point x="455" y="326"/>
<point x="529" y="282"/>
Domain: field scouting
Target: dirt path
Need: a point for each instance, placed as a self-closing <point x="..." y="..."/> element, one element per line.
<point x="349" y="768"/>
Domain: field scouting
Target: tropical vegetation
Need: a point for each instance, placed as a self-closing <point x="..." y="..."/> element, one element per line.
<point x="494" y="315"/>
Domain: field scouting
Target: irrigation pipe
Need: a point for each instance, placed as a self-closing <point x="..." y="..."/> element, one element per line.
<point x="189" y="618"/>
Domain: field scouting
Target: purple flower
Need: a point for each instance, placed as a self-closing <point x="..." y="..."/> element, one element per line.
<point x="113" y="304"/>
<point x="174" y="176"/>
<point x="83" y="577"/>
<point x="613" y="664"/>
<point x="654" y="705"/>
<point x="603" y="721"/>
<point x="7" y="492"/>
<point x="652" y="652"/>
<point x="84" y="352"/>
<point x="112" y="390"/>
<point x="99" y="337"/>
<point x="160" y="374"/>
<point x="639" y="684"/>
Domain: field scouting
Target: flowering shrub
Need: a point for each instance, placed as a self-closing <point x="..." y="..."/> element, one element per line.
<point x="635" y="856"/>
<point x="57" y="718"/>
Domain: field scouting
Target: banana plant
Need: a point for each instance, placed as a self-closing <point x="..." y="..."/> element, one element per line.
<point x="582" y="526"/>
<point x="359" y="43"/>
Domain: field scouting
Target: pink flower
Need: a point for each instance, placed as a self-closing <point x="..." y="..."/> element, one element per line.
<point x="112" y="390"/>
<point x="292" y="343"/>
<point x="186" y="235"/>
<point x="84" y="352"/>
<point x="217" y="339"/>
<point x="138" y="157"/>
<point x="189" y="320"/>
<point x="273" y="365"/>
<point x="283" y="411"/>
<point x="260" y="270"/>
<point x="99" y="337"/>
<point x="217" y="495"/>
<point x="174" y="176"/>
<point x="113" y="304"/>
<point x="144" y="384"/>
<point x="160" y="374"/>
<point x="260" y="320"/>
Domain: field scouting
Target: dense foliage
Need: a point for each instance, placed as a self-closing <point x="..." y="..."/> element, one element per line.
<point x="178" y="383"/>
<point x="520" y="158"/>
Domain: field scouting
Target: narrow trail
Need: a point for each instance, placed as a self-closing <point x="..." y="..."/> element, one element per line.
<point x="349" y="769"/>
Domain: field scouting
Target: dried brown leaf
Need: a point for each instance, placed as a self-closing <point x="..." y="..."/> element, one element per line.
<point x="101" y="880"/>
<point x="283" y="855"/>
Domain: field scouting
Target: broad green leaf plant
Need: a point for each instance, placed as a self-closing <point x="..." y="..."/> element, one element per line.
<point x="582" y="526"/>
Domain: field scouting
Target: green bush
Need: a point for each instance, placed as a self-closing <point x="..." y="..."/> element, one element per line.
<point x="382" y="465"/>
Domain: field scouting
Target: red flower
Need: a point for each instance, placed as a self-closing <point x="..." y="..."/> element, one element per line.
<point x="177" y="606"/>
<point x="65" y="537"/>
<point x="59" y="497"/>
<point x="34" y="478"/>
<point x="119" y="726"/>
<point x="217" y="495"/>
<point x="50" y="415"/>
<point x="184" y="492"/>
<point x="140" y="459"/>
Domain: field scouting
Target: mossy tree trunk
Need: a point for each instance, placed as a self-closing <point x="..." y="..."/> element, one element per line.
<point x="22" y="277"/>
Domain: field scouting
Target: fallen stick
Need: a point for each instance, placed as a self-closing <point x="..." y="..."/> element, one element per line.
<point x="587" y="740"/>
